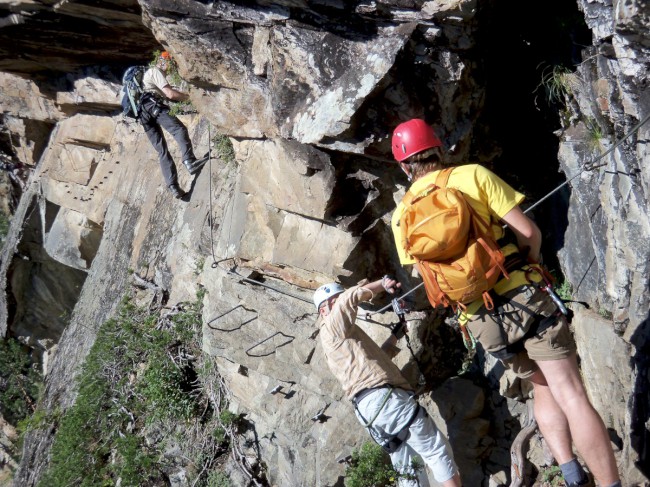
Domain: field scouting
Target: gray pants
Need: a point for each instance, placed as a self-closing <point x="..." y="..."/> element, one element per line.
<point x="424" y="440"/>
<point x="154" y="118"/>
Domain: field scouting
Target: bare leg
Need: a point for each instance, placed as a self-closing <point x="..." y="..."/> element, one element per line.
<point x="551" y="420"/>
<point x="586" y="426"/>
<point x="452" y="482"/>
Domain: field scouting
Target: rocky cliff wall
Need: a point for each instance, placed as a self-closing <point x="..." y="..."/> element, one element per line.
<point x="309" y="93"/>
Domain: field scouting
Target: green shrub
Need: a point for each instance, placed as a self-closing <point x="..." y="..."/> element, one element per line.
<point x="132" y="376"/>
<point x="217" y="478"/>
<point x="20" y="381"/>
<point x="4" y="225"/>
<point x="370" y="467"/>
<point x="552" y="476"/>
<point x="39" y="419"/>
<point x="219" y="434"/>
<point x="564" y="291"/>
<point x="162" y="388"/>
<point x="133" y="462"/>
<point x="555" y="84"/>
<point x="605" y="313"/>
<point x="228" y="418"/>
<point x="595" y="133"/>
<point x="181" y="108"/>
<point x="224" y="148"/>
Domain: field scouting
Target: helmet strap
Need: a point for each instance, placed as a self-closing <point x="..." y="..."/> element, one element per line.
<point x="406" y="169"/>
<point x="326" y="304"/>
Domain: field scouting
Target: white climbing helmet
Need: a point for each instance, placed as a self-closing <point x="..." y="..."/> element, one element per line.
<point x="325" y="292"/>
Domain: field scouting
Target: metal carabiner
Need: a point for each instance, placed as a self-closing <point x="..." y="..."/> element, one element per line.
<point x="547" y="287"/>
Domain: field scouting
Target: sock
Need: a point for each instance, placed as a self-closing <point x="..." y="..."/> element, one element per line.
<point x="574" y="474"/>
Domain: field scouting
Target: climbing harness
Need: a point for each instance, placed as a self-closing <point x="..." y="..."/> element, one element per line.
<point x="362" y="393"/>
<point x="392" y="442"/>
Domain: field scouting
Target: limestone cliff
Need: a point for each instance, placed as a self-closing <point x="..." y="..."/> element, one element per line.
<point x="308" y="93"/>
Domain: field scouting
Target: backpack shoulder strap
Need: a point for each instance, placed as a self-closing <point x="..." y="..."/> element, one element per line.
<point x="441" y="182"/>
<point x="410" y="197"/>
<point x="443" y="177"/>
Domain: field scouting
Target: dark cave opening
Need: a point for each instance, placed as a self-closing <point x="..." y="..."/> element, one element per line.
<point x="518" y="118"/>
<point x="513" y="57"/>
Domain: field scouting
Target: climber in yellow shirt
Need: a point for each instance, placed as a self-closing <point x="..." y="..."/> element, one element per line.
<point x="524" y="330"/>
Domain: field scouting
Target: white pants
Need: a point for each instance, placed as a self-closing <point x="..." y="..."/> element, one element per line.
<point x="424" y="439"/>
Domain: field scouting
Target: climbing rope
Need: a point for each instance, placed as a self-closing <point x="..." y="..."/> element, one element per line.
<point x="589" y="166"/>
<point x="214" y="258"/>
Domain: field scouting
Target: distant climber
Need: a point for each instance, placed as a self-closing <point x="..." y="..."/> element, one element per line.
<point x="16" y="170"/>
<point x="383" y="399"/>
<point x="155" y="116"/>
<point x="517" y="319"/>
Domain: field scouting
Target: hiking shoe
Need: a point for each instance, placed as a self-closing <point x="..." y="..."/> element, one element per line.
<point x="177" y="192"/>
<point x="189" y="163"/>
<point x="194" y="165"/>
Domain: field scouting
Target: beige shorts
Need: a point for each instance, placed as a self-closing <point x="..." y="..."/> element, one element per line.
<point x="507" y="335"/>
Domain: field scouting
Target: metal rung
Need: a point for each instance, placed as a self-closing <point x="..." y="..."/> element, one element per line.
<point x="230" y="311"/>
<point x="291" y="338"/>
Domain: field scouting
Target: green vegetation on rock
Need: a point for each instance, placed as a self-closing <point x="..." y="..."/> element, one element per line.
<point x="140" y="395"/>
<point x="20" y="381"/>
<point x="370" y="467"/>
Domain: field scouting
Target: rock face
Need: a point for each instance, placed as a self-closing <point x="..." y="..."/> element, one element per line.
<point x="66" y="36"/>
<point x="309" y="93"/>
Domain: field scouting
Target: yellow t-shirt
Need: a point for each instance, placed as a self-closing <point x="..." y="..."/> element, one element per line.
<point x="491" y="197"/>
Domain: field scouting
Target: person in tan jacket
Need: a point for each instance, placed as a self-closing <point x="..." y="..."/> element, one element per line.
<point x="383" y="399"/>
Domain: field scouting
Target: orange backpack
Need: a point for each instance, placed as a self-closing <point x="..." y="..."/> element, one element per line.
<point x="457" y="257"/>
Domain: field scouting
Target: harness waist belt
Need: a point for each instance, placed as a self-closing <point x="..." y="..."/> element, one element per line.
<point x="364" y="392"/>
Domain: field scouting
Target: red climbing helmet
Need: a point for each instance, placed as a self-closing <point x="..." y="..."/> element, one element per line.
<point x="165" y="55"/>
<point x="412" y="137"/>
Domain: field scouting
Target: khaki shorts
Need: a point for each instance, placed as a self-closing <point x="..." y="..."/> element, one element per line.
<point x="502" y="335"/>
